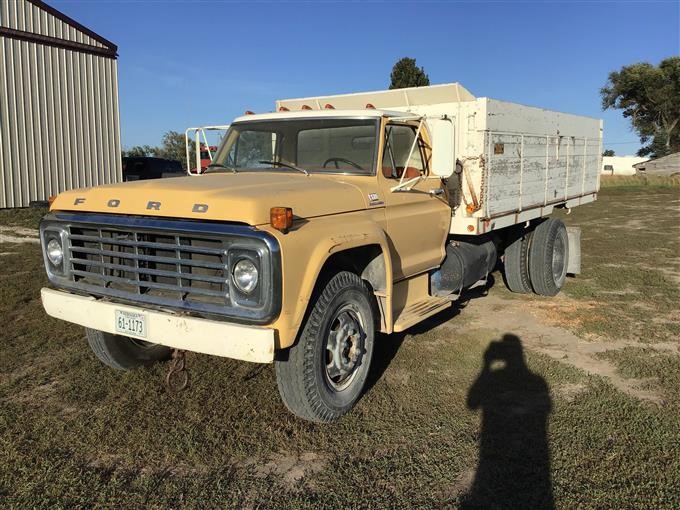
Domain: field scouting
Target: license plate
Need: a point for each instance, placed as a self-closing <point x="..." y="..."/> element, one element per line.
<point x="131" y="323"/>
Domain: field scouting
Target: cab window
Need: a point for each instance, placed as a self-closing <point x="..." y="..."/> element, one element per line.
<point x="253" y="147"/>
<point x="398" y="142"/>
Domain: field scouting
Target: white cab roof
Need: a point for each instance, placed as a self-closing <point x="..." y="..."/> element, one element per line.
<point x="385" y="99"/>
<point x="301" y="114"/>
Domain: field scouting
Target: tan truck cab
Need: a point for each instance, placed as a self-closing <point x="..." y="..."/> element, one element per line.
<point x="314" y="228"/>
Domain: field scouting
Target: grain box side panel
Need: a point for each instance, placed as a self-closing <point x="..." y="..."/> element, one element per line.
<point x="537" y="157"/>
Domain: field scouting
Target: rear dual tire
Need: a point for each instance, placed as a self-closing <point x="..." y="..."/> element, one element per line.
<point x="548" y="257"/>
<point x="537" y="259"/>
<point x="516" y="264"/>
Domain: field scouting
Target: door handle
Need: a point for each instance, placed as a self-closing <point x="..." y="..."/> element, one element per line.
<point x="435" y="192"/>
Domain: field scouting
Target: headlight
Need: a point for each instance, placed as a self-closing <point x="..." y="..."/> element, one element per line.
<point x="54" y="251"/>
<point x="245" y="275"/>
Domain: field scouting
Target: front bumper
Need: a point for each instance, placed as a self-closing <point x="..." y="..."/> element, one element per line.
<point x="248" y="343"/>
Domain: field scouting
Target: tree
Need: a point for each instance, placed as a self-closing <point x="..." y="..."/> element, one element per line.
<point x="172" y="147"/>
<point x="405" y="73"/>
<point x="140" y="150"/>
<point x="608" y="152"/>
<point x="650" y="96"/>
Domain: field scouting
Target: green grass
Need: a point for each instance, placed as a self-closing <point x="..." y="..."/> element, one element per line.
<point x="631" y="264"/>
<point x="77" y="434"/>
<point x="640" y="181"/>
<point x="663" y="368"/>
<point x="27" y="217"/>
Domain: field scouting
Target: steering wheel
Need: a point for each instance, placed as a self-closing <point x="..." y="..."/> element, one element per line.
<point x="341" y="160"/>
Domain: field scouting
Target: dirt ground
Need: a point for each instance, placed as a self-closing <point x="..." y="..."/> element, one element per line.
<point x="538" y="326"/>
<point x="503" y="401"/>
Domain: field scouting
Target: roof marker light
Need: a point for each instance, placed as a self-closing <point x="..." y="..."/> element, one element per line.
<point x="306" y="107"/>
<point x="329" y="106"/>
<point x="370" y="106"/>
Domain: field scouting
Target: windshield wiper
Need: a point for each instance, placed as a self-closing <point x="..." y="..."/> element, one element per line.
<point x="220" y="165"/>
<point x="279" y="163"/>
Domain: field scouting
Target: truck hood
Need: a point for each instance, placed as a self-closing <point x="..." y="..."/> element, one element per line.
<point x="244" y="197"/>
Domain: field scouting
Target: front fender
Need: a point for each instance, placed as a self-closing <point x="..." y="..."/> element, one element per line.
<point x="305" y="250"/>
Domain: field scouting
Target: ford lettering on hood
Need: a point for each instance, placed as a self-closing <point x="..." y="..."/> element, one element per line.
<point x="243" y="197"/>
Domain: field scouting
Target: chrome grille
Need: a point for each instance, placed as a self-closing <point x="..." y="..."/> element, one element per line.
<point x="181" y="268"/>
<point x="165" y="263"/>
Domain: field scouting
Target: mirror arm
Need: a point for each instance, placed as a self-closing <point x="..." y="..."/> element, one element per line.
<point x="405" y="186"/>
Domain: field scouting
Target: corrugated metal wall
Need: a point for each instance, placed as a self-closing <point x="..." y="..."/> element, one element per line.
<point x="25" y="15"/>
<point x="59" y="120"/>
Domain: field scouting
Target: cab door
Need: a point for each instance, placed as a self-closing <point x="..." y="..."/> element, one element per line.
<point x="418" y="219"/>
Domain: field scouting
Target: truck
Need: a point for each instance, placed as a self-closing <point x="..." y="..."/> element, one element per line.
<point x="318" y="226"/>
<point x="205" y="155"/>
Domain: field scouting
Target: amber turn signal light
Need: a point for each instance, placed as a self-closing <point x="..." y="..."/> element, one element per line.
<point x="281" y="218"/>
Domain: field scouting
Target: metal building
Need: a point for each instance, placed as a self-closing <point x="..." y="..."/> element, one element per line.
<point x="59" y="120"/>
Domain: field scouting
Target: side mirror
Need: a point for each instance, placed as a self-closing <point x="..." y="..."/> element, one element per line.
<point x="443" y="150"/>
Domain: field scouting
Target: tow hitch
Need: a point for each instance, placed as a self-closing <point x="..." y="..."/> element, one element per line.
<point x="177" y="378"/>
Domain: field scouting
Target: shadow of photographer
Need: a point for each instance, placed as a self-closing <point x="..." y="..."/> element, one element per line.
<point x="514" y="456"/>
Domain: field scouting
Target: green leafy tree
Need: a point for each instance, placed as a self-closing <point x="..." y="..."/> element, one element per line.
<point x="406" y="73"/>
<point x="650" y="97"/>
<point x="172" y="147"/>
<point x="140" y="150"/>
<point x="608" y="152"/>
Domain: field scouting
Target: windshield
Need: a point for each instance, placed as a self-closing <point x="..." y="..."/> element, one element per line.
<point x="321" y="145"/>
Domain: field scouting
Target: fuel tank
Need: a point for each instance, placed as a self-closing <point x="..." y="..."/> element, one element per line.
<point x="466" y="263"/>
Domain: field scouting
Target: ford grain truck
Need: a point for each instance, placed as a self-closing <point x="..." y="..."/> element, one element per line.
<point x="319" y="225"/>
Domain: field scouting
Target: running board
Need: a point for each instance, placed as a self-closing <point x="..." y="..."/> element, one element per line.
<point x="420" y="310"/>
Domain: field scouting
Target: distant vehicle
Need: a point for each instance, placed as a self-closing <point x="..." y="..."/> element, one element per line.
<point x="206" y="155"/>
<point x="136" y="168"/>
<point x="206" y="152"/>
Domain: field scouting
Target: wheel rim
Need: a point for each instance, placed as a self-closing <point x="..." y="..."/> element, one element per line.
<point x="344" y="347"/>
<point x="559" y="268"/>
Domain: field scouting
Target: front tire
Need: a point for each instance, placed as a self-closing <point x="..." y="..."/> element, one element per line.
<point x="122" y="352"/>
<point x="326" y="370"/>
<point x="548" y="257"/>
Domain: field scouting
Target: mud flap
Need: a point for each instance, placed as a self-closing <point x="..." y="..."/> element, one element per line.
<point x="574" y="262"/>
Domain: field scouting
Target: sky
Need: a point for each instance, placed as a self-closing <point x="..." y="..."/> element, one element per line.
<point x="193" y="63"/>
